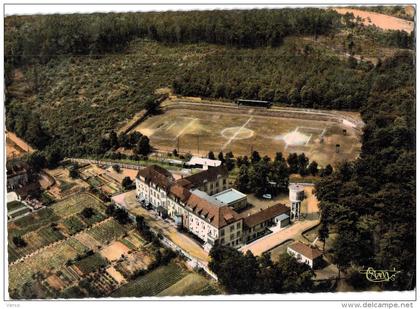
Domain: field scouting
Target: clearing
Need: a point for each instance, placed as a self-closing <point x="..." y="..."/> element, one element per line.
<point x="382" y="21"/>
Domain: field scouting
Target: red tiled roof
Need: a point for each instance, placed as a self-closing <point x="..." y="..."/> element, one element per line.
<point x="218" y="216"/>
<point x="305" y="250"/>
<point x="180" y="192"/>
<point x="157" y="175"/>
<point x="265" y="214"/>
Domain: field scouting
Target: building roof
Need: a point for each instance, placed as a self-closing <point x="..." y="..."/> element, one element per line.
<point x="229" y="196"/>
<point x="215" y="215"/>
<point x="209" y="175"/>
<point x="204" y="161"/>
<point x="157" y="175"/>
<point x="305" y="250"/>
<point x="265" y="214"/>
<point x="180" y="192"/>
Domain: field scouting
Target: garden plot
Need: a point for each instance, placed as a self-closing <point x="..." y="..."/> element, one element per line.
<point x="44" y="262"/>
<point x="107" y="231"/>
<point x="76" y="203"/>
<point x="192" y="284"/>
<point x="152" y="283"/>
<point x="52" y="224"/>
<point x="115" y="251"/>
<point x="133" y="262"/>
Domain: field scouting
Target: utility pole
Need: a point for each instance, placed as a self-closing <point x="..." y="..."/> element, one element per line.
<point x="177" y="144"/>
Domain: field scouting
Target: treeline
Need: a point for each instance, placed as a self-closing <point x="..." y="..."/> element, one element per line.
<point x="247" y="274"/>
<point x="47" y="36"/>
<point x="296" y="74"/>
<point x="370" y="204"/>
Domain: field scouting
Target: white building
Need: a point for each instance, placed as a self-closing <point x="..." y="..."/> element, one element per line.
<point x="204" y="163"/>
<point x="152" y="185"/>
<point x="311" y="256"/>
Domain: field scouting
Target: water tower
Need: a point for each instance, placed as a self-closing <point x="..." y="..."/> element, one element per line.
<point x="296" y="196"/>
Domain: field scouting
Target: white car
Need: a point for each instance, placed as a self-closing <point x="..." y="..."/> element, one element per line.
<point x="267" y="196"/>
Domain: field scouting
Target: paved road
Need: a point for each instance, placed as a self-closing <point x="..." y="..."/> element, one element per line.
<point x="166" y="228"/>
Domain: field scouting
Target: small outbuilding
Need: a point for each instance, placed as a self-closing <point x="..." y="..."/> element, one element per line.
<point x="307" y="254"/>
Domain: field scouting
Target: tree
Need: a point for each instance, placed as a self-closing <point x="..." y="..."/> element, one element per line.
<point x="127" y="183"/>
<point x="255" y="157"/>
<point x="19" y="241"/>
<point x="143" y="146"/>
<point x="328" y="170"/>
<point x="242" y="181"/>
<point x="113" y="139"/>
<point x="293" y="162"/>
<point x="211" y="155"/>
<point x="121" y="215"/>
<point x="220" y="157"/>
<point x="313" y="168"/>
<point x="87" y="212"/>
<point x="175" y="153"/>
<point x="37" y="161"/>
<point x="73" y="173"/>
<point x="116" y="167"/>
<point x="229" y="161"/>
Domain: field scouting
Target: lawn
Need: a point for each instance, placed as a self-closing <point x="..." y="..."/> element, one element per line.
<point x="152" y="283"/>
<point x="192" y="284"/>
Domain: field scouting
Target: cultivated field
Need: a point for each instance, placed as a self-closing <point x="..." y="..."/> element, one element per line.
<point x="15" y="146"/>
<point x="241" y="130"/>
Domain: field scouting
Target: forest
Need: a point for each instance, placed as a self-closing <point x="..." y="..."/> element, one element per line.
<point x="72" y="80"/>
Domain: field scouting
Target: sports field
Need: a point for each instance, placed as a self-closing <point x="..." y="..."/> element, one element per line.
<point x="246" y="129"/>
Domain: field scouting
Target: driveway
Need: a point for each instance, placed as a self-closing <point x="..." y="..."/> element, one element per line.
<point x="165" y="228"/>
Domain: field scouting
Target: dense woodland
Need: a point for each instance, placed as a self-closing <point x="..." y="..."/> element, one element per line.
<point x="369" y="206"/>
<point x="72" y="80"/>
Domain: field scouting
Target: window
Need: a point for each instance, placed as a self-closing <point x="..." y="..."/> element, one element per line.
<point x="222" y="233"/>
<point x="222" y="241"/>
<point x="224" y="181"/>
<point x="232" y="227"/>
<point x="238" y="233"/>
<point x="238" y="225"/>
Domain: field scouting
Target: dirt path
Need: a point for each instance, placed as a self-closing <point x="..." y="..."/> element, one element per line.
<point x="15" y="146"/>
<point x="382" y="21"/>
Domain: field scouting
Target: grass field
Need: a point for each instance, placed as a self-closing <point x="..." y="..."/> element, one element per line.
<point x="241" y="131"/>
<point x="152" y="283"/>
<point x="14" y="205"/>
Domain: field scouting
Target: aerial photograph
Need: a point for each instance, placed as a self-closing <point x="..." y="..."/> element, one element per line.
<point x="210" y="153"/>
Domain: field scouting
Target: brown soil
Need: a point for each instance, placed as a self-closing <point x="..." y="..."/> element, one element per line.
<point x="114" y="251"/>
<point x="382" y="21"/>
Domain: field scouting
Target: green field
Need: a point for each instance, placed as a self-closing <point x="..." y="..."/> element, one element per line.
<point x="152" y="283"/>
